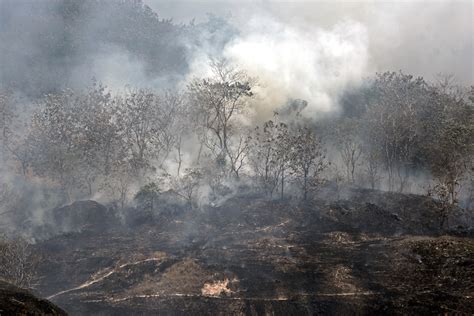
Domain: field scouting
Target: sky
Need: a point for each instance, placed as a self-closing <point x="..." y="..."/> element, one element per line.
<point x="296" y="50"/>
<point x="424" y="38"/>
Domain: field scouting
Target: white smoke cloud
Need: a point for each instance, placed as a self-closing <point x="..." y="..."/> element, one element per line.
<point x="295" y="62"/>
<point x="313" y="64"/>
<point x="419" y="37"/>
<point x="117" y="68"/>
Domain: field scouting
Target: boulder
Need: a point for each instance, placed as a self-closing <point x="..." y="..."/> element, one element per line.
<point x="17" y="301"/>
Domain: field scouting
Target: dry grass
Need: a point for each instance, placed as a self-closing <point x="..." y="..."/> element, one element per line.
<point x="340" y="237"/>
<point x="341" y="278"/>
<point x="185" y="277"/>
<point x="216" y="288"/>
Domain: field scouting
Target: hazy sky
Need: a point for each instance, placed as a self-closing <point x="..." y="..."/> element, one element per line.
<point x="310" y="50"/>
<point x="418" y="37"/>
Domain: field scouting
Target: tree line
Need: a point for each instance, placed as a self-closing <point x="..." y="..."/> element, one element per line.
<point x="391" y="130"/>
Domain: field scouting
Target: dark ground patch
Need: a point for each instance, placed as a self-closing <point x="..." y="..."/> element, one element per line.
<point x="346" y="257"/>
<point x="16" y="301"/>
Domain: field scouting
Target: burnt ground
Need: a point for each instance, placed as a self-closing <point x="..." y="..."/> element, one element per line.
<point x="365" y="253"/>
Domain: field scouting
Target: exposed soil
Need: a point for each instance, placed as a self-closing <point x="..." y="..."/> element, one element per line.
<point x="369" y="253"/>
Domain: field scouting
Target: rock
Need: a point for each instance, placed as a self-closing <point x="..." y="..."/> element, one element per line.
<point x="17" y="301"/>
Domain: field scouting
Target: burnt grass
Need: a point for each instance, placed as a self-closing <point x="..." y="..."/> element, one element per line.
<point x="362" y="252"/>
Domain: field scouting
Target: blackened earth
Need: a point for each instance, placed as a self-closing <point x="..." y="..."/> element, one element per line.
<point x="362" y="252"/>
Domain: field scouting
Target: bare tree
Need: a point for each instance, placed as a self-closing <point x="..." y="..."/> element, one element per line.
<point x="20" y="149"/>
<point x="264" y="155"/>
<point x="449" y="145"/>
<point x="174" y="126"/>
<point x="53" y="139"/>
<point x="219" y="100"/>
<point x="188" y="185"/>
<point x="17" y="262"/>
<point x="307" y="159"/>
<point x="440" y="192"/>
<point x="7" y="114"/>
<point x="117" y="184"/>
<point x="139" y="115"/>
<point x="99" y="130"/>
<point x="8" y="198"/>
<point x="392" y="122"/>
<point x="372" y="165"/>
<point x="147" y="195"/>
<point x="349" y="146"/>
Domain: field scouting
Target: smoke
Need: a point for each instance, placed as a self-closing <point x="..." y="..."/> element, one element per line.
<point x="309" y="50"/>
<point x="50" y="45"/>
<point x="315" y="64"/>
<point x="298" y="50"/>
<point x="293" y="62"/>
<point x="117" y="68"/>
<point x="314" y="50"/>
<point x="423" y="37"/>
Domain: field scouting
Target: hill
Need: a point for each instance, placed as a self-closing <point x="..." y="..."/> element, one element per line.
<point x="253" y="256"/>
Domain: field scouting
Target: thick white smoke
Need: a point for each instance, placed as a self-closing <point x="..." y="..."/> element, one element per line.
<point x="292" y="62"/>
<point x="310" y="49"/>
<point x="313" y="64"/>
<point x="118" y="68"/>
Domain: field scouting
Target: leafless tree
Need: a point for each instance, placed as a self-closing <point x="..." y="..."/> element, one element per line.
<point x="53" y="139"/>
<point x="219" y="101"/>
<point x="307" y="159"/>
<point x="18" y="262"/>
<point x="174" y="126"/>
<point x="188" y="185"/>
<point x="7" y="115"/>
<point x="392" y="122"/>
<point x="139" y="115"/>
<point x="372" y="165"/>
<point x="450" y="146"/>
<point x="264" y="155"/>
<point x="349" y="146"/>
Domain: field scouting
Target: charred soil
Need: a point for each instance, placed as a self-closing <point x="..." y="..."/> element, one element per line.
<point x="367" y="253"/>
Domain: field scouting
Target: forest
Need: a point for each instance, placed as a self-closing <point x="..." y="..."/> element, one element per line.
<point x="202" y="137"/>
<point x="396" y="133"/>
<point x="180" y="144"/>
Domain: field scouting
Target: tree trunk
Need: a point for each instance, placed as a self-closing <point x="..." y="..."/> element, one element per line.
<point x="89" y="184"/>
<point x="305" y="185"/>
<point x="282" y="183"/>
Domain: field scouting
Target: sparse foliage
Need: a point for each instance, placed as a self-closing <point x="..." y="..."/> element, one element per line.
<point x="392" y="123"/>
<point x="188" y="185"/>
<point x="265" y="158"/>
<point x="147" y="195"/>
<point x="17" y="262"/>
<point x="219" y="101"/>
<point x="91" y="141"/>
<point x="307" y="159"/>
<point x="349" y="146"/>
<point x="7" y="115"/>
<point x="449" y="147"/>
